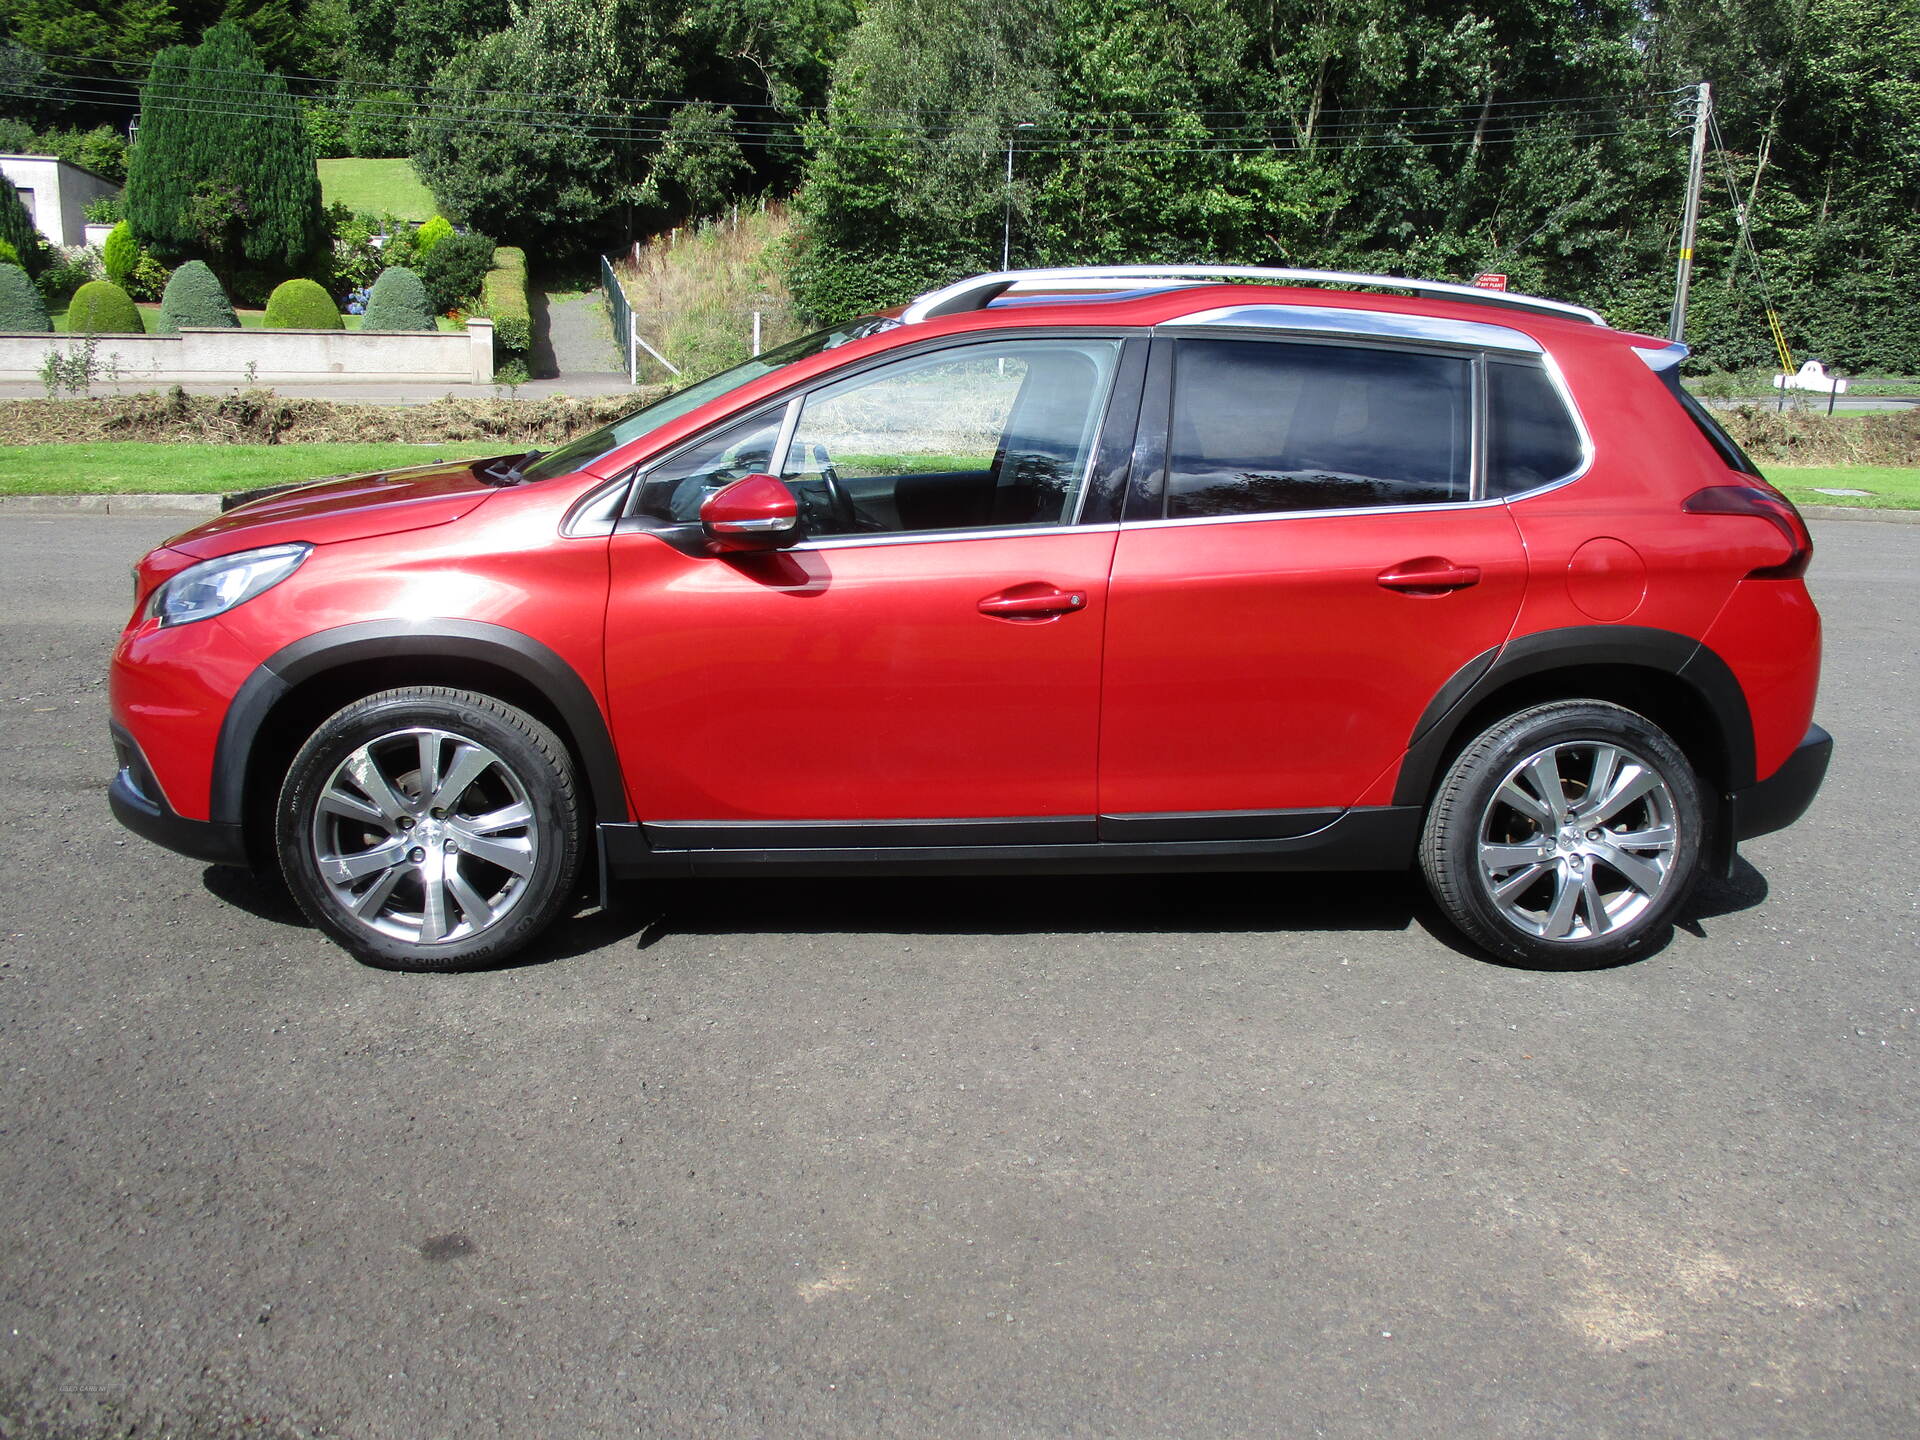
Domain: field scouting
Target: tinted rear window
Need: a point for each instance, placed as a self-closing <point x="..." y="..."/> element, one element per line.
<point x="1531" y="439"/>
<point x="1262" y="426"/>
<point x="1731" y="455"/>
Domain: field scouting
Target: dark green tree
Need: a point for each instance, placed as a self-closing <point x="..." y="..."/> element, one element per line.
<point x="22" y="311"/>
<point x="223" y="166"/>
<point x="193" y="297"/>
<point x="398" y="301"/>
<point x="17" y="228"/>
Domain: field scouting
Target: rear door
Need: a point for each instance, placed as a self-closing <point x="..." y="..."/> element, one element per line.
<point x="1303" y="565"/>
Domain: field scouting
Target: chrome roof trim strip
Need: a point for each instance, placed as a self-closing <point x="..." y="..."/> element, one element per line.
<point x="1372" y="324"/>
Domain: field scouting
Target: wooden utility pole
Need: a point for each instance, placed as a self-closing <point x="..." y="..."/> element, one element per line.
<point x="1690" y="217"/>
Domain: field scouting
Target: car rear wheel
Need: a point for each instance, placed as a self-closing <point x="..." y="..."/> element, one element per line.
<point x="1565" y="836"/>
<point x="430" y="828"/>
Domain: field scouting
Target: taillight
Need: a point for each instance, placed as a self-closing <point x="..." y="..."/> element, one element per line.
<point x="1762" y="504"/>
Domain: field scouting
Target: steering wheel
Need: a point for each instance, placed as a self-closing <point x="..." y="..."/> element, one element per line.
<point x="830" y="511"/>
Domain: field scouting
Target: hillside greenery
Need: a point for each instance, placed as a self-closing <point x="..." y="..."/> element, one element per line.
<point x="1545" y="139"/>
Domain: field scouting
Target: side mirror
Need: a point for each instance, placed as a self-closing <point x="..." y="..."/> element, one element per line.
<point x="755" y="512"/>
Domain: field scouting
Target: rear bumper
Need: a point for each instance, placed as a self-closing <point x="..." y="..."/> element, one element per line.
<point x="139" y="804"/>
<point x="1783" y="797"/>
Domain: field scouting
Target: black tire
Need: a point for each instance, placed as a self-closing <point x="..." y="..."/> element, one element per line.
<point x="467" y="882"/>
<point x="1597" y="885"/>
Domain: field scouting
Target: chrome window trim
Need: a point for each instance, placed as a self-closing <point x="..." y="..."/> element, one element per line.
<point x="1370" y="324"/>
<point x="928" y="537"/>
<point x="979" y="290"/>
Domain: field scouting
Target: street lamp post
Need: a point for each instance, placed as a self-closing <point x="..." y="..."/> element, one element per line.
<point x="1006" y="232"/>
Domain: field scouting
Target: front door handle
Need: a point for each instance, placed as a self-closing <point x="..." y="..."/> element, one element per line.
<point x="1428" y="575"/>
<point x="1027" y="602"/>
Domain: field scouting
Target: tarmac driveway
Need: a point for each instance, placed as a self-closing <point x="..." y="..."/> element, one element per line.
<point x="1194" y="1157"/>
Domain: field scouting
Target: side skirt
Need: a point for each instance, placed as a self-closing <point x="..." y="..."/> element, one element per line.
<point x="1378" y="838"/>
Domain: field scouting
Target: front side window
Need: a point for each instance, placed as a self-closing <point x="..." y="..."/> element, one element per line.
<point x="978" y="436"/>
<point x="1266" y="426"/>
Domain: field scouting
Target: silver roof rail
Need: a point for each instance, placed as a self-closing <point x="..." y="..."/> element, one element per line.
<point x="982" y="290"/>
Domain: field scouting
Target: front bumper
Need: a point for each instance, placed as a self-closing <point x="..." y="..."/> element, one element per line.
<point x="141" y="805"/>
<point x="1783" y="797"/>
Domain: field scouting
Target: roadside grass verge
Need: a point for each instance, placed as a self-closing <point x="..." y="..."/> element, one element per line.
<point x="376" y="187"/>
<point x="132" y="467"/>
<point x="694" y="291"/>
<point x="1890" y="487"/>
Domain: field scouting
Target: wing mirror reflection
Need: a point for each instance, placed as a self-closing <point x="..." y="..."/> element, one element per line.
<point x="755" y="512"/>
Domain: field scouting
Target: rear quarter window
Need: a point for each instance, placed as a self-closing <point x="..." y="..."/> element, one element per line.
<point x="1531" y="438"/>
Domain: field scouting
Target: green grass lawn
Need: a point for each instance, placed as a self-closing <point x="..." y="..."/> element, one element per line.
<point x="133" y="467"/>
<point x="379" y="187"/>
<point x="1892" y="487"/>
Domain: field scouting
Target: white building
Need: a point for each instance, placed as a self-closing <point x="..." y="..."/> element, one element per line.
<point x="56" y="194"/>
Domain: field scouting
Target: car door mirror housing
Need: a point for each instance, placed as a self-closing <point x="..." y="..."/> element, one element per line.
<point x="755" y="512"/>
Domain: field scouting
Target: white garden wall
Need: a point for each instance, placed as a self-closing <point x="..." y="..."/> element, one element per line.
<point x="451" y="357"/>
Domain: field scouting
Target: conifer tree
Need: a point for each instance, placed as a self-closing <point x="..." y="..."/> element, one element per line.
<point x="223" y="166"/>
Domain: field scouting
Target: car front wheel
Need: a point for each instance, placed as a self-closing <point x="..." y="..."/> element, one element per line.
<point x="430" y="828"/>
<point x="1565" y="836"/>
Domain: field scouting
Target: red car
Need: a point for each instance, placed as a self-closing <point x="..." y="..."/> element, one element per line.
<point x="1125" y="569"/>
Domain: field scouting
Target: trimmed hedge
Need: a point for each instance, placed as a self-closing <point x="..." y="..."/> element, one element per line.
<point x="455" y="269"/>
<point x="101" y="307"/>
<point x="504" y="296"/>
<point x="432" y="233"/>
<point x="194" y="297"/>
<point x="22" y="311"/>
<point x="120" y="252"/>
<point x="302" y="305"/>
<point x="398" y="301"/>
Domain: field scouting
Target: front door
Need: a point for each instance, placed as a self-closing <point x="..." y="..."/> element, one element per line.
<point x="930" y="652"/>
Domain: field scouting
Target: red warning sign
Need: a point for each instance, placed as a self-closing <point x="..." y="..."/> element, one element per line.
<point x="1487" y="280"/>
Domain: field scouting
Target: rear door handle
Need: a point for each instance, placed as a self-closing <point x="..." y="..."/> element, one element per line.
<point x="1028" y="604"/>
<point x="1428" y="575"/>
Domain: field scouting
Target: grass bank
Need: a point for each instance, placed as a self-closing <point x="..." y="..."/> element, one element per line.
<point x="1889" y="487"/>
<point x="131" y="467"/>
<point x="376" y="187"/>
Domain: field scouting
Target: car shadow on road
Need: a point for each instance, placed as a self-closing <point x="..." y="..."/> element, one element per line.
<point x="1200" y="904"/>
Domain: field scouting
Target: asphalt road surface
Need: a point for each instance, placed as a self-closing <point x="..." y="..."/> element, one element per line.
<point x="1235" y="1156"/>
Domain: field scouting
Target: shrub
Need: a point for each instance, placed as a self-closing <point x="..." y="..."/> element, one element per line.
<point x="194" y="297"/>
<point x="9" y="255"/>
<point x="378" y="125"/>
<point x="105" y="210"/>
<point x="432" y="233"/>
<point x="101" y="307"/>
<point x="398" y="301"/>
<point x="71" y="267"/>
<point x="120" y="252"/>
<point x="504" y="297"/>
<point x="302" y="305"/>
<point x="455" y="269"/>
<point x="21" y="308"/>
<point x="148" y="280"/>
<point x="326" y="129"/>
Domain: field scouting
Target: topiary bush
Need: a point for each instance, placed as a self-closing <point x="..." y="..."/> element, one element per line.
<point x="504" y="297"/>
<point x="194" y="297"/>
<point x="22" y="311"/>
<point x="398" y="301"/>
<point x="455" y="269"/>
<point x="101" y="307"/>
<point x="120" y="252"/>
<point x="302" y="305"/>
<point x="432" y="233"/>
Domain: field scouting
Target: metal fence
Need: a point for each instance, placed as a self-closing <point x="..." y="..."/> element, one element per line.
<point x="620" y="313"/>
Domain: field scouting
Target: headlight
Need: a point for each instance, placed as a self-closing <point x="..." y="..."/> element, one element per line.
<point x="214" y="587"/>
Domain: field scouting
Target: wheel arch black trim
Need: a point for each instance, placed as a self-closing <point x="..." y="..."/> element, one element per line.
<point x="1675" y="657"/>
<point x="440" y="639"/>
